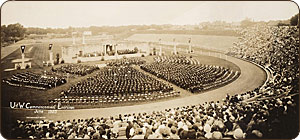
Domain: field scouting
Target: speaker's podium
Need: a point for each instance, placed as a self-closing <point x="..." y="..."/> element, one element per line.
<point x="50" y="62"/>
<point x="22" y="63"/>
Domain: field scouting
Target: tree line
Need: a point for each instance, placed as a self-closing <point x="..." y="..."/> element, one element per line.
<point x="12" y="33"/>
<point x="294" y="20"/>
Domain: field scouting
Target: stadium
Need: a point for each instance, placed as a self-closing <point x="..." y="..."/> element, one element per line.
<point x="153" y="85"/>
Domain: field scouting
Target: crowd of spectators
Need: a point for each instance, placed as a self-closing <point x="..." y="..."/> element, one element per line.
<point x="186" y="74"/>
<point x="34" y="80"/>
<point x="231" y="118"/>
<point x="180" y="59"/>
<point x="275" y="48"/>
<point x="236" y="117"/>
<point x="77" y="69"/>
<point x="126" y="62"/>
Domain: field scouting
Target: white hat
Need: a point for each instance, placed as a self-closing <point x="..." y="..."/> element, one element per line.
<point x="207" y="128"/>
<point x="185" y="127"/>
<point x="217" y="135"/>
<point x="208" y="135"/>
<point x="238" y="134"/>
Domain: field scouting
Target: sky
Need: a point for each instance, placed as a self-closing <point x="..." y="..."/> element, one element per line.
<point x="63" y="14"/>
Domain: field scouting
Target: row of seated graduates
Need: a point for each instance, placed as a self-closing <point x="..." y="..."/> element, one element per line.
<point x="35" y="80"/>
<point x="77" y="69"/>
<point x="194" y="77"/>
<point x="117" y="80"/>
<point x="113" y="99"/>
<point x="126" y="62"/>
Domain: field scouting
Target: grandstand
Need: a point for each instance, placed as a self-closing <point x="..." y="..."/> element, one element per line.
<point x="251" y="114"/>
<point x="268" y="111"/>
<point x="150" y="70"/>
<point x="125" y="89"/>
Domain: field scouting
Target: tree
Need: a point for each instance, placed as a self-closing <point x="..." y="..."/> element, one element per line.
<point x="3" y="35"/>
<point x="294" y="20"/>
<point x="11" y="33"/>
<point x="15" y="31"/>
<point x="282" y="24"/>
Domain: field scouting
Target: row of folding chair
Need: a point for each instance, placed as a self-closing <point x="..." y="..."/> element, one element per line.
<point x="111" y="100"/>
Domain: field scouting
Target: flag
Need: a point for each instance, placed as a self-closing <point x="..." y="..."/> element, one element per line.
<point x="23" y="48"/>
<point x="50" y="46"/>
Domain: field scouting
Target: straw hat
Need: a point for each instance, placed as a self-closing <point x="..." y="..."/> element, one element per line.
<point x="238" y="134"/>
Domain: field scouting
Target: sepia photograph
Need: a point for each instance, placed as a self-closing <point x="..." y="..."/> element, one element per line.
<point x="149" y="70"/>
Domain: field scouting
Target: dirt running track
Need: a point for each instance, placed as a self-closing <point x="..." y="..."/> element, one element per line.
<point x="251" y="77"/>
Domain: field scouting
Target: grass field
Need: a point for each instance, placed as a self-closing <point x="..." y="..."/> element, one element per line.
<point x="208" y="41"/>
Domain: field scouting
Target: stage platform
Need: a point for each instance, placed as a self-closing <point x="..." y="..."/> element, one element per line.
<point x="101" y="58"/>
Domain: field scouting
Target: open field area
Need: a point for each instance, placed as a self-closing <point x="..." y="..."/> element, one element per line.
<point x="207" y="41"/>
